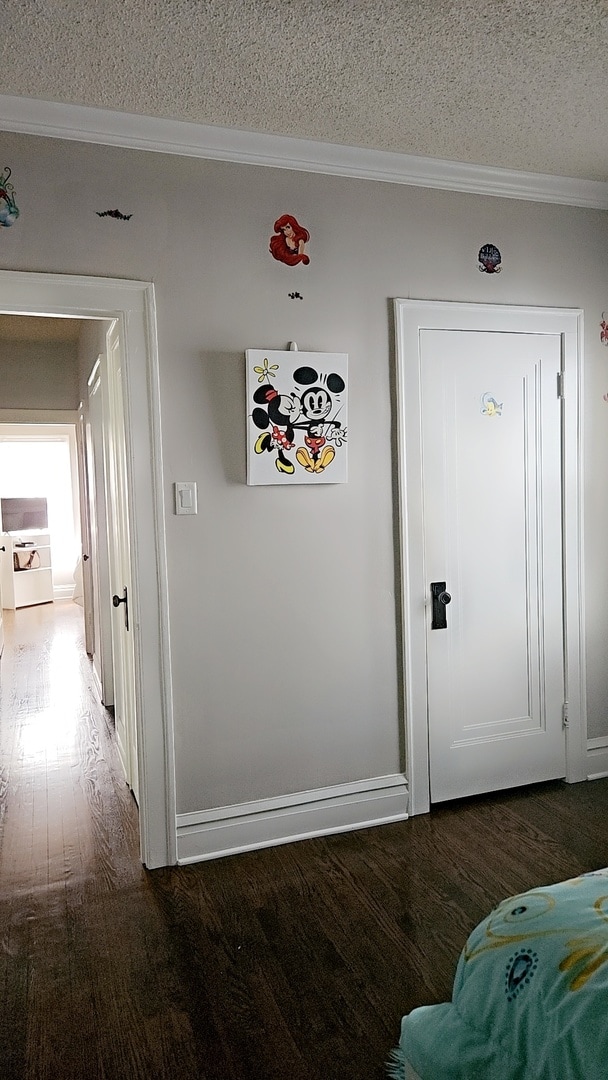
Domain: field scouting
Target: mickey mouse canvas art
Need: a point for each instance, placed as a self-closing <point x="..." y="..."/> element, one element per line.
<point x="297" y="417"/>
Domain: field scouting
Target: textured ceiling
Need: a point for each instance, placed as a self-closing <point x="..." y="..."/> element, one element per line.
<point x="521" y="84"/>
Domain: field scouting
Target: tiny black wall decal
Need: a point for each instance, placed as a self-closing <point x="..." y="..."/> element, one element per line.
<point x="489" y="259"/>
<point x="287" y="245"/>
<point x="114" y="214"/>
<point x="8" y="207"/>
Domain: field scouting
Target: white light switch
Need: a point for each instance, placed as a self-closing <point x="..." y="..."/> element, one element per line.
<point x="185" y="497"/>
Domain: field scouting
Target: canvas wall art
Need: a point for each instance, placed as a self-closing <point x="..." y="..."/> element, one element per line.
<point x="297" y="408"/>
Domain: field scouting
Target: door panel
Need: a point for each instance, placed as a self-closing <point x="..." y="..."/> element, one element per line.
<point x="491" y="462"/>
<point x="2" y="554"/>
<point x="120" y="563"/>
<point x="85" y="533"/>
<point x="99" y="533"/>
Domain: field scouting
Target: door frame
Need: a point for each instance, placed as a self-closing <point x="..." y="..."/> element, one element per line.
<point x="133" y="304"/>
<point x="412" y="316"/>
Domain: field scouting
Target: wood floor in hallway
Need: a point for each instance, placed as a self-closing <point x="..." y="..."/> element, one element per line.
<point x="292" y="963"/>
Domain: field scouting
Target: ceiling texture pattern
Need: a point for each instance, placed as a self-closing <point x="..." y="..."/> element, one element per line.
<point x="518" y="84"/>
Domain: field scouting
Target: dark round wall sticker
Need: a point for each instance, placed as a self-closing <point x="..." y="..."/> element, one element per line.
<point x="489" y="259"/>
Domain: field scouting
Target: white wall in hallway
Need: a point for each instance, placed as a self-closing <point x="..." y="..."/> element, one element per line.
<point x="285" y="643"/>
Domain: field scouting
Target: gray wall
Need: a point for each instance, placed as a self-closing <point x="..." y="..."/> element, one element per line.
<point x="38" y="375"/>
<point x="283" y="600"/>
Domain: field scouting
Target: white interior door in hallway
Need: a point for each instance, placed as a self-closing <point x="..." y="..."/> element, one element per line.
<point x="121" y="587"/>
<point x="484" y="555"/>
<point x="492" y="540"/>
<point x="1" y="620"/>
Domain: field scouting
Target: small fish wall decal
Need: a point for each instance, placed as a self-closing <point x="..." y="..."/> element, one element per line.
<point x="490" y="406"/>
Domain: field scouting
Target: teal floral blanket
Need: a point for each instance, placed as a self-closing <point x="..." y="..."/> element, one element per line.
<point x="530" y="997"/>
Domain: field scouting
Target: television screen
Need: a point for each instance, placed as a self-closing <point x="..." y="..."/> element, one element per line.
<point x="19" y="515"/>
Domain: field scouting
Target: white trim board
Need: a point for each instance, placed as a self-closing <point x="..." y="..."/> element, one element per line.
<point x="227" y="830"/>
<point x="63" y="592"/>
<point x="105" y="127"/>
<point x="597" y="758"/>
<point x="410" y="317"/>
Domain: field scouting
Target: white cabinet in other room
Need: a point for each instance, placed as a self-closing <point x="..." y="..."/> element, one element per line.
<point x="27" y="574"/>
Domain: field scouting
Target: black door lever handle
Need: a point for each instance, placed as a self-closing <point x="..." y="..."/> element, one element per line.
<point x="441" y="599"/>
<point x="117" y="600"/>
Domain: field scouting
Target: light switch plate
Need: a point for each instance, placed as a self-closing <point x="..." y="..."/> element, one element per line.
<point x="185" y="497"/>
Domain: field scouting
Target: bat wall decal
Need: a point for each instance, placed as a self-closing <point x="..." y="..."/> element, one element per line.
<point x="114" y="214"/>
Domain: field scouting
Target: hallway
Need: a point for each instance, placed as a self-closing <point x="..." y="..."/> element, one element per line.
<point x="76" y="1000"/>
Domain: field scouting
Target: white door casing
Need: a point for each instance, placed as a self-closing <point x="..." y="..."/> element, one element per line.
<point x="413" y="320"/>
<point x="133" y="304"/>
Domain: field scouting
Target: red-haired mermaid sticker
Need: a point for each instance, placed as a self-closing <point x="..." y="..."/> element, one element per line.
<point x="287" y="245"/>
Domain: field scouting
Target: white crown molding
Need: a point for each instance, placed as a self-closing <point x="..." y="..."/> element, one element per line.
<point x="56" y="120"/>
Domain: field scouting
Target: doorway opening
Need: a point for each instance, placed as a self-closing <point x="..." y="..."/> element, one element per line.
<point x="39" y="462"/>
<point x="130" y="307"/>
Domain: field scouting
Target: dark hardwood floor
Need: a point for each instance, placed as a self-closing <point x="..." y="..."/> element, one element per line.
<point x="292" y="963"/>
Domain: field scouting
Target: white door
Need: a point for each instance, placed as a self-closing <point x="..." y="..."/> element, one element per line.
<point x="99" y="543"/>
<point x="85" y="533"/>
<point x="120" y="561"/>
<point x="492" y="541"/>
<point x="490" y="491"/>
<point x="2" y="553"/>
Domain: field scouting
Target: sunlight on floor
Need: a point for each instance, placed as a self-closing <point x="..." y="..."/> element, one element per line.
<point x="49" y="734"/>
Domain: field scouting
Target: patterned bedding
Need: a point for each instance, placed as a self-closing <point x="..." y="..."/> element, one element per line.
<point x="530" y="997"/>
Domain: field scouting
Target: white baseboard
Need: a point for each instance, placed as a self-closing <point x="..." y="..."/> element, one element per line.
<point x="97" y="683"/>
<point x="597" y="758"/>
<point x="63" y="592"/>
<point x="211" y="834"/>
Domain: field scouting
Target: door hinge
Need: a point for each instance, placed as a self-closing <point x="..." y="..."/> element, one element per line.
<point x="560" y="384"/>
<point x="565" y="720"/>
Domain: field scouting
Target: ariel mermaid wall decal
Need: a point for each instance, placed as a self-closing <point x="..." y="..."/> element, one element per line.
<point x="289" y="240"/>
